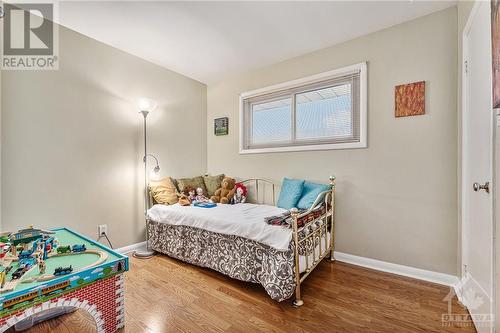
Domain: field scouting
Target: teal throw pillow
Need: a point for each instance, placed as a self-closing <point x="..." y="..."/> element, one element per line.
<point x="310" y="193"/>
<point x="291" y="191"/>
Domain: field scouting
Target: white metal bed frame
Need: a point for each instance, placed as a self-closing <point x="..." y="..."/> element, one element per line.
<point x="318" y="236"/>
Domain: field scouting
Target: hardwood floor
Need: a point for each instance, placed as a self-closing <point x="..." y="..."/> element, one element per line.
<point x="166" y="295"/>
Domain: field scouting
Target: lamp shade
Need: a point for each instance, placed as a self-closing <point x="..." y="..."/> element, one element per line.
<point x="147" y="104"/>
<point x="155" y="174"/>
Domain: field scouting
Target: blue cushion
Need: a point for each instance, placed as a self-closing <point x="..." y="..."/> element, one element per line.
<point x="310" y="193"/>
<point x="291" y="190"/>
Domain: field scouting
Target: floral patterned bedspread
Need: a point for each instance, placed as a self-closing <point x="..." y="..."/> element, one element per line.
<point x="237" y="257"/>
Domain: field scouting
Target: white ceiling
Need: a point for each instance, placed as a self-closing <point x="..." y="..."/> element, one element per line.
<point x="208" y="41"/>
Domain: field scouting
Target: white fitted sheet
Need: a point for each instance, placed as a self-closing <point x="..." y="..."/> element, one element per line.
<point x="243" y="220"/>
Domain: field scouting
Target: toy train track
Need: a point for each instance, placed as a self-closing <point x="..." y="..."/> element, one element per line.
<point x="11" y="285"/>
<point x="102" y="258"/>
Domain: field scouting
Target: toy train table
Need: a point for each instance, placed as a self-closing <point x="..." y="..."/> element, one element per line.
<point x="44" y="273"/>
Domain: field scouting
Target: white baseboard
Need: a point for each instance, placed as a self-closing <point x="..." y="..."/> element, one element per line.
<point x="130" y="248"/>
<point x="416" y="273"/>
<point x="412" y="272"/>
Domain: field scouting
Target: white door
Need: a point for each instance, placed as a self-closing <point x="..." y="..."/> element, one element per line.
<point x="477" y="148"/>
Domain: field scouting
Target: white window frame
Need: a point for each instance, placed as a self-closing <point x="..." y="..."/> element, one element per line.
<point x="363" y="124"/>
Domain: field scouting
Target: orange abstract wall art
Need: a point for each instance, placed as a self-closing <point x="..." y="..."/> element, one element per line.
<point x="410" y="99"/>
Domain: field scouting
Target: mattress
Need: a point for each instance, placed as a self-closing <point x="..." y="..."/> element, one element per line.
<point x="243" y="220"/>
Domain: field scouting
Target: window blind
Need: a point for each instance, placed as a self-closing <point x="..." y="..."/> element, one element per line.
<point x="321" y="112"/>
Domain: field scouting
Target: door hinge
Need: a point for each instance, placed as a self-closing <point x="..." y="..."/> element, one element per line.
<point x="466" y="66"/>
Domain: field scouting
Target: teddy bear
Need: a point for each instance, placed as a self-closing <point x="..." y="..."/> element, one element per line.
<point x="225" y="192"/>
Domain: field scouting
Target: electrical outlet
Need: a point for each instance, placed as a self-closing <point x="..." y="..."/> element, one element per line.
<point x="103" y="229"/>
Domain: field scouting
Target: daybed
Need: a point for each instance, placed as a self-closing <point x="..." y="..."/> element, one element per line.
<point x="235" y="240"/>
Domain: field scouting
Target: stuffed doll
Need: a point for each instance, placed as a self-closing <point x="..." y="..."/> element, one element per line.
<point x="191" y="194"/>
<point x="240" y="195"/>
<point x="226" y="192"/>
<point x="187" y="196"/>
<point x="200" y="197"/>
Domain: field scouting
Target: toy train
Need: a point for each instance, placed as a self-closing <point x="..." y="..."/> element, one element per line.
<point x="63" y="249"/>
<point x="68" y="249"/>
<point x="63" y="270"/>
<point x="79" y="248"/>
<point x="20" y="271"/>
<point x="26" y="254"/>
<point x="27" y="261"/>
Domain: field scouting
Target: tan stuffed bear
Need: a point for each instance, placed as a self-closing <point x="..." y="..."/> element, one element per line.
<point x="226" y="192"/>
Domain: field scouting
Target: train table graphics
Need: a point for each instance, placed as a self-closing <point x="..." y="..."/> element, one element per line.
<point x="41" y="270"/>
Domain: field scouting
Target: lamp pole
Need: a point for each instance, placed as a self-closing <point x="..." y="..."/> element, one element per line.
<point x="147" y="253"/>
<point x="145" y="161"/>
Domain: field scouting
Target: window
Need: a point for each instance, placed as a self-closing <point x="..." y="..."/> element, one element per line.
<point x="324" y="111"/>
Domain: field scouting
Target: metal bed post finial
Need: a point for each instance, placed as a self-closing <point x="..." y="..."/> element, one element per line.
<point x="294" y="212"/>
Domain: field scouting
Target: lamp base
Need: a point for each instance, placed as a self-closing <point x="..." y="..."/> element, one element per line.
<point x="144" y="254"/>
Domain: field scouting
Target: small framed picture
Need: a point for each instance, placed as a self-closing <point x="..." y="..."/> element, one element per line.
<point x="221" y="126"/>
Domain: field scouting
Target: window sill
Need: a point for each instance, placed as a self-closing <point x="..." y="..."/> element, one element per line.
<point x="334" y="146"/>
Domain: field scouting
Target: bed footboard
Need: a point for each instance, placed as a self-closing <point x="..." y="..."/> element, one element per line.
<point x="316" y="235"/>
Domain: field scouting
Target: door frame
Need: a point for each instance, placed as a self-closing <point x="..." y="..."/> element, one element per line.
<point x="465" y="186"/>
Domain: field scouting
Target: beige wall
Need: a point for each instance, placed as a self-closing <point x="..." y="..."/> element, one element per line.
<point x="72" y="138"/>
<point x="397" y="199"/>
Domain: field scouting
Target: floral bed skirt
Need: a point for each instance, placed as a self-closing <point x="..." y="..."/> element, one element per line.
<point x="235" y="256"/>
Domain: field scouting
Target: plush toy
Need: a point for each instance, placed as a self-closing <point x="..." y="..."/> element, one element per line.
<point x="191" y="194"/>
<point x="183" y="200"/>
<point x="226" y="192"/>
<point x="200" y="197"/>
<point x="187" y="196"/>
<point x="240" y="195"/>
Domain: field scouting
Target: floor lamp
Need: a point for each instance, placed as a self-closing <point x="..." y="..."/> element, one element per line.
<point x="146" y="106"/>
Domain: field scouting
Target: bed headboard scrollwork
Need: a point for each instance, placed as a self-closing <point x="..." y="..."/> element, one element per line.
<point x="259" y="190"/>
